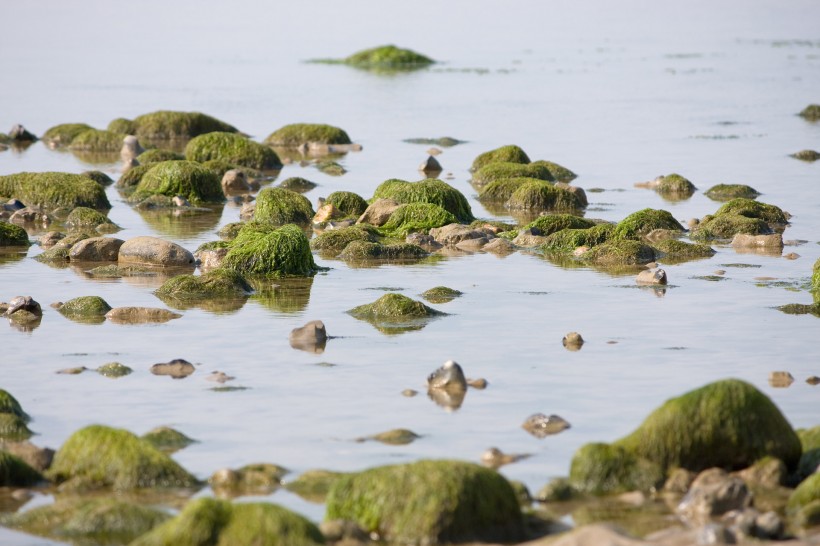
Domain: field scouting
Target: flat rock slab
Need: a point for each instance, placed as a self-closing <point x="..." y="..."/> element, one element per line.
<point x="154" y="251"/>
<point x="140" y="315"/>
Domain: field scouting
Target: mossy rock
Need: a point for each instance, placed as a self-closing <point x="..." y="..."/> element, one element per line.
<point x="94" y="140"/>
<point x="501" y="170"/>
<point x="332" y="242"/>
<point x="330" y="167"/>
<point x="349" y="203"/>
<point x="431" y="190"/>
<point x="808" y="516"/>
<point x="54" y="190"/>
<point x="811" y="112"/>
<point x="217" y="283"/>
<point x="558" y="172"/>
<point x="543" y="196"/>
<point x="599" y="468"/>
<point x="9" y="404"/>
<point x="13" y="235"/>
<point x="619" y="252"/>
<point x="170" y="125"/>
<point x="167" y="439"/>
<point x="806" y="155"/>
<point x="314" y="485"/>
<point x="114" y="370"/>
<point x="441" y="294"/>
<point x="13" y="428"/>
<point x="388" y="58"/>
<point x="101" y="457"/>
<point x="567" y="240"/>
<point x="232" y="148"/>
<point x="726" y="226"/>
<point x="14" y="472"/>
<point x="259" y="250"/>
<point x="85" y="309"/>
<point x="673" y="250"/>
<point x="123" y="126"/>
<point x="415" y="217"/>
<point x="810" y="459"/>
<point x="675" y="184"/>
<point x="725" y="192"/>
<point x="130" y="179"/>
<point x="279" y="206"/>
<point x="84" y="217"/>
<point x="728" y="424"/>
<point x="99" y="177"/>
<point x="500" y="191"/>
<point x="296" y="134"/>
<point x="214" y="522"/>
<point x="506" y="154"/>
<point x="552" y="223"/>
<point x="65" y="133"/>
<point x="806" y="493"/>
<point x="429" y="502"/>
<point x="158" y="155"/>
<point x="89" y="521"/>
<point x="815" y="276"/>
<point x="186" y="178"/>
<point x="801" y="309"/>
<point x="54" y="255"/>
<point x="258" y="478"/>
<point x="640" y="223"/>
<point x="358" y="251"/>
<point x="297" y="184"/>
<point x="754" y="209"/>
<point x="395" y="306"/>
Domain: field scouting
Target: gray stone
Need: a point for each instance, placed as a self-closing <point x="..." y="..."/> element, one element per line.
<point x="449" y="377"/>
<point x="452" y="234"/>
<point x="96" y="249"/>
<point x="140" y="315"/>
<point x="378" y="212"/>
<point x="714" y="492"/>
<point x="154" y="251"/>
<point x="312" y="337"/>
<point x="651" y="276"/>
<point x="772" y="241"/>
<point x="234" y="182"/>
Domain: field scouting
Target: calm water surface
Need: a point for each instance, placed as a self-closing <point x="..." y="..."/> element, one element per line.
<point x="619" y="95"/>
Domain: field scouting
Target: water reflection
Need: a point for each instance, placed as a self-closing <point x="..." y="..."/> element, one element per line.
<point x="97" y="158"/>
<point x="449" y="400"/>
<point x="217" y="306"/>
<point x="180" y="223"/>
<point x="10" y="256"/>
<point x="286" y="295"/>
<point x="136" y="276"/>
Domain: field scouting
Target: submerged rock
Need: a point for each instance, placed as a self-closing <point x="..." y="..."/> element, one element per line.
<point x="96" y="249"/>
<point x="96" y="140"/>
<point x="296" y="134"/>
<point x="13" y="235"/>
<point x="10" y="405"/>
<point x="63" y="134"/>
<point x="651" y="276"/>
<point x="178" y="368"/>
<point x="495" y="458"/>
<point x="441" y="294"/>
<point x="501" y="170"/>
<point x="726" y="192"/>
<point x="541" y="426"/>
<point x="312" y="337"/>
<point x="806" y="155"/>
<point x="395" y="313"/>
<point x="114" y="370"/>
<point x="773" y="241"/>
<point x="394" y="437"/>
<point x="140" y="315"/>
<point x="13" y="428"/>
<point x="215" y="284"/>
<point x="387" y="58"/>
<point x="84" y="309"/>
<point x="233" y="148"/>
<point x="573" y="341"/>
<point x="54" y="190"/>
<point x="331" y="242"/>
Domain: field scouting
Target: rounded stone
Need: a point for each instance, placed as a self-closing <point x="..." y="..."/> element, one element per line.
<point x="154" y="251"/>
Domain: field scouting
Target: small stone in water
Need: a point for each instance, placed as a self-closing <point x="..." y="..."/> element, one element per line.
<point x="177" y="368"/>
<point x="409" y="393"/>
<point x="780" y="379"/>
<point x="479" y="383"/>
<point x="540" y="425"/>
<point x="72" y="371"/>
<point x="219" y="377"/>
<point x="573" y="341"/>
<point x="813" y="380"/>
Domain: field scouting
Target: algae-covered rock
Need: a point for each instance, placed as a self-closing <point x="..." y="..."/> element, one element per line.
<point x="95" y="140"/>
<point x="12" y="235"/>
<point x="9" y="404"/>
<point x="99" y="177"/>
<point x="500" y="191"/>
<point x="158" y="155"/>
<point x="551" y="223"/>
<point x="414" y="217"/>
<point x="188" y="179"/>
<point x="84" y="217"/>
<point x="394" y="306"/>
<point x="122" y="125"/>
<point x="332" y="242"/>
<point x="429" y="502"/>
<point x="508" y="154"/>
<point x="808" y="516"/>
<point x="53" y="190"/>
<point x="388" y="58"/>
<point x="297" y="184"/>
<point x="673" y="250"/>
<point x="363" y="251"/>
<point x="395" y="437"/>
<point x="728" y="424"/>
<point x="441" y="294"/>
<point x="538" y="195"/>
<point x="558" y="172"/>
<point x="314" y="485"/>
<point x="502" y="169"/>
<point x="673" y="184"/>
<point x="349" y="203"/>
<point x="167" y="439"/>
<point x="232" y="148"/>
<point x="603" y="469"/>
<point x="810" y="459"/>
<point x="279" y="206"/>
<point x="567" y="240"/>
<point x="260" y="249"/>
<point x="725" y="192"/>
<point x="98" y="457"/>
<point x="444" y="142"/>
<point x="114" y="370"/>
<point x="726" y="226"/>
<point x="89" y="521"/>
<point x="65" y="133"/>
<point x="252" y="479"/>
<point x="644" y="221"/>
<point x="170" y="125"/>
<point x="14" y="472"/>
<point x="85" y="309"/>
<point x="619" y="252"/>
<point x="131" y="178"/>
<point x="806" y="493"/>
<point x="296" y="134"/>
<point x="13" y="428"/>
<point x="217" y="283"/>
<point x="754" y="209"/>
<point x="214" y="522"/>
<point x="806" y="155"/>
<point x="811" y="112"/>
<point x="431" y="190"/>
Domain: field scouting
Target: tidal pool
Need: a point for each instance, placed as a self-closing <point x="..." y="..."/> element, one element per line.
<point x="619" y="96"/>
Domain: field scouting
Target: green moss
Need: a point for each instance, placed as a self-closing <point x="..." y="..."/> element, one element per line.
<point x="507" y="154"/>
<point x="232" y="148"/>
<point x="807" y="516"/>
<point x="186" y="178"/>
<point x="314" y="485"/>
<point x="123" y="126"/>
<point x="754" y="209"/>
<point x="98" y="456"/>
<point x="542" y="196"/>
<point x="801" y="309"/>
<point x="725" y="192"/>
<point x="94" y="140"/>
<point x="806" y="493"/>
<point x="396" y="437"/>
<point x="167" y="439"/>
<point x="296" y="134"/>
<point x="213" y="522"/>
<point x="726" y="226"/>
<point x="53" y="190"/>
<point x="500" y="191"/>
<point x="279" y="206"/>
<point x="351" y="204"/>
<point x="810" y="459"/>
<point x="441" y="294"/>
<point x="558" y="172"/>
<point x="432" y="191"/>
<point x="169" y="125"/>
<point x="114" y="370"/>
<point x="55" y="254"/>
<point x="331" y="167"/>
<point x="87" y="521"/>
<point x="280" y="252"/>
<point x="16" y="473"/>
<point x="728" y="424"/>
<point x="804" y="155"/>
<point x="416" y="217"/>
<point x="130" y="179"/>
<point x="619" y="252"/>
<point x="99" y="177"/>
<point x="567" y="240"/>
<point x="358" y="251"/>
<point x="673" y="250"/>
<point x="81" y="217"/>
<point x="640" y="223"/>
<point x="552" y="223"/>
<point x="429" y="502"/>
<point x="65" y="133"/>
<point x="12" y="235"/>
<point x="297" y="184"/>
<point x="85" y="308"/>
<point x="13" y="428"/>
<point x="394" y="306"/>
<point x="10" y="405"/>
<point x="811" y="112"/>
<point x="501" y="170"/>
<point x="158" y="155"/>
<point x="604" y="469"/>
<point x="332" y="242"/>
<point x="388" y="58"/>
<point x="815" y="276"/>
<point x="675" y="184"/>
<point x="217" y="283"/>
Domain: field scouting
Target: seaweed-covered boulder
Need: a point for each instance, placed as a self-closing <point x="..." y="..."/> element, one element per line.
<point x="261" y="249"/>
<point x="811" y="112"/>
<point x="604" y="469"/>
<point x="217" y="283"/>
<point x="232" y="148"/>
<point x="565" y="241"/>
<point x="64" y="134"/>
<point x="332" y="242"/>
<point x="279" y="206"/>
<point x="806" y="493"/>
<point x="431" y="190"/>
<point x="502" y="169"/>
<point x="754" y="209"/>
<point x="158" y="155"/>
<point x="672" y="185"/>
<point x="170" y="125"/>
<point x="558" y="172"/>
<point x="538" y="195"/>
<point x="95" y="140"/>
<point x="130" y="179"/>
<point x="296" y="134"/>
<point x="619" y="252"/>
<point x="13" y="428"/>
<point x="12" y="235"/>
<point x="188" y="179"/>
<point x="673" y="250"/>
<point x="85" y="309"/>
<point x="726" y="226"/>
<point x="429" y="502"/>
<point x="313" y="485"/>
<point x="114" y="370"/>
<point x="358" y="251"/>
<point x="728" y="424"/>
<point x="98" y="457"/>
<point x="551" y="223"/>
<point x="167" y="439"/>
<point x="297" y="184"/>
<point x="726" y="192"/>
<point x="414" y="217"/>
<point x="349" y="203"/>
<point x="208" y="521"/>
<point x="153" y="251"/>
<point x="806" y="155"/>
<point x="10" y="405"/>
<point x="441" y="294"/>
<point x="122" y="125"/>
<point x="642" y="222"/>
<point x="388" y="58"/>
<point x="85" y="217"/>
<point x="89" y="521"/>
<point x="14" y="472"/>
<point x="395" y="313"/>
<point x="810" y="459"/>
<point x="53" y="190"/>
<point x="508" y="154"/>
<point x="99" y="177"/>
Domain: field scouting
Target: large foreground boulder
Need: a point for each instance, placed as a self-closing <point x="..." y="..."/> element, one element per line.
<point x="429" y="502"/>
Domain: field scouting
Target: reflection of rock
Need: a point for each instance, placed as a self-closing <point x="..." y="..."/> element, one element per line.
<point x="286" y="295"/>
<point x="312" y="337"/>
<point x="450" y="400"/>
<point x="541" y="426"/>
<point x="177" y="368"/>
<point x="140" y="315"/>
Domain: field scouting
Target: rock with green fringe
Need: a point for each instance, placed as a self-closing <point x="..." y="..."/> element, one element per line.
<point x="297" y="184"/>
<point x="279" y="206"/>
<point x="806" y="493"/>
<point x="642" y="222"/>
<point x="675" y="251"/>
<point x="415" y="217"/>
<point x="167" y="439"/>
<point x="99" y="177"/>
<point x="251" y="479"/>
<point x="232" y="148"/>
<point x="88" y="309"/>
<point x="171" y="125"/>
<point x="13" y="428"/>
<point x="14" y="472"/>
<point x="314" y="485"/>
<point x="500" y="191"/>
<point x="362" y="251"/>
<point x="331" y="242"/>
<point x="85" y="217"/>
<point x="95" y="140"/>
<point x="215" y="284"/>
<point x="53" y="190"/>
<point x="552" y="223"/>
<point x="98" y="457"/>
<point x="296" y="134"/>
<point x="63" y="134"/>
<point x="805" y="155"/>
<point x="214" y="522"/>
<point x="599" y="469"/>
<point x="395" y="313"/>
<point x="501" y="170"/>
<point x="13" y="235"/>
<point x="810" y="459"/>
<point x="431" y="190"/>
<point x="9" y="404"/>
<point x="130" y="179"/>
<point x="219" y="167"/>
<point x="538" y="195"/>
<point x="349" y="203"/>
<point x="88" y="521"/>
<point x="619" y="252"/>
<point x="387" y="58"/>
<point x="558" y="172"/>
<point x="811" y="112"/>
<point x="122" y="125"/>
<point x="114" y="370"/>
<point x="671" y="184"/>
<point x="261" y="249"/>
<point x="429" y="502"/>
<point x="567" y="240"/>
<point x="188" y="179"/>
<point x="726" y="226"/>
<point x="158" y="155"/>
<point x="754" y="209"/>
<point x="726" y="192"/>
<point x="508" y="154"/>
<point x="808" y="516"/>
<point x="441" y="294"/>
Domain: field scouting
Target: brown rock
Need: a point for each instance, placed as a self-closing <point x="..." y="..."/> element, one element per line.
<point x="140" y="315"/>
<point x="154" y="251"/>
<point x="96" y="249"/>
<point x="378" y="212"/>
<point x="234" y="182"/>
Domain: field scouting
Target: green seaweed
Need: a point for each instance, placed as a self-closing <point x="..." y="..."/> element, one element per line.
<point x="619" y="252"/>
<point x="500" y="170"/>
<point x="500" y="191"/>
<point x="217" y="283"/>
<point x="441" y="294"/>
<point x="281" y="252"/>
<point x="167" y="439"/>
<point x="349" y="203"/>
<point x="85" y="309"/>
<point x="508" y="154"/>
<point x="386" y="58"/>
<point x="414" y="217"/>
<point x="99" y="177"/>
<point x="394" y="306"/>
<point x="558" y="172"/>
<point x="297" y="184"/>
<point x="675" y="184"/>
<point x="726" y="192"/>
<point x="279" y="206"/>
<point x="362" y="251"/>
<point x="14" y="472"/>
<point x="754" y="209"/>
<point x="566" y="241"/>
<point x="9" y="404"/>
<point x="257" y="478"/>
<point x="331" y="167"/>
<point x="232" y="148"/>
<point x="186" y="178"/>
<point x="130" y="179"/>
<point x="726" y="226"/>
<point x="95" y="140"/>
<point x="810" y="459"/>
<point x="123" y="126"/>
<point x="65" y="133"/>
<point x="330" y="243"/>
<point x="170" y="125"/>
<point x="806" y="493"/>
<point x="552" y="223"/>
<point x="85" y="217"/>
<point x="13" y="428"/>
<point x="673" y="250"/>
<point x="158" y="155"/>
<point x="542" y="196"/>
<point x="431" y="190"/>
<point x="114" y="370"/>
<point x="811" y="112"/>
<point x="296" y="134"/>
<point x="599" y="468"/>
<point x="54" y="190"/>
<point x="13" y="235"/>
<point x="806" y="155"/>
<point x="640" y="223"/>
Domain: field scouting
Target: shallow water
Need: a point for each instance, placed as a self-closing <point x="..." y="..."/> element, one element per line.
<point x="617" y="95"/>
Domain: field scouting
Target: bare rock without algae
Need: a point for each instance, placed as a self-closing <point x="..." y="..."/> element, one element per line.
<point x="140" y="315"/>
<point x="312" y="337"/>
<point x="154" y="251"/>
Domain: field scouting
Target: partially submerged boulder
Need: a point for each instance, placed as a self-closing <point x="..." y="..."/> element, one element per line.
<point x="551" y="223"/>
<point x="261" y="249"/>
<point x="599" y="468"/>
<point x="251" y="479"/>
<point x="642" y="222"/>
<point x="431" y="190"/>
<point x="378" y="212"/>
<point x="388" y="58"/>
<point x="808" y="492"/>
<point x="96" y="140"/>
<point x="726" y="192"/>
<point x="429" y="502"/>
<point x="332" y="242"/>
<point x="53" y="190"/>
<point x="85" y="309"/>
<point x="619" y="252"/>
<point x="9" y="404"/>
<point x="540" y="196"/>
<point x="188" y="179"/>
<point x="13" y="428"/>
<point x="85" y="217"/>
<point x="167" y="439"/>
<point x="566" y="241"/>
<point x="348" y="203"/>
<point x="279" y="206"/>
<point x="296" y="134"/>
<point x="232" y="148"/>
<point x="810" y="459"/>
<point x="558" y="172"/>
<point x="509" y="154"/>
<point x="12" y="235"/>
<point x="414" y="217"/>
<point x="395" y="313"/>
<point x="63" y="134"/>
<point x="171" y="125"/>
<point x="158" y="155"/>
<point x="811" y="112"/>
<point x="441" y="294"/>
<point x="217" y="283"/>
<point x="500" y="170"/>
<point x="362" y="251"/>
<point x="153" y="251"/>
<point x="96" y="249"/>
<point x="313" y="485"/>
